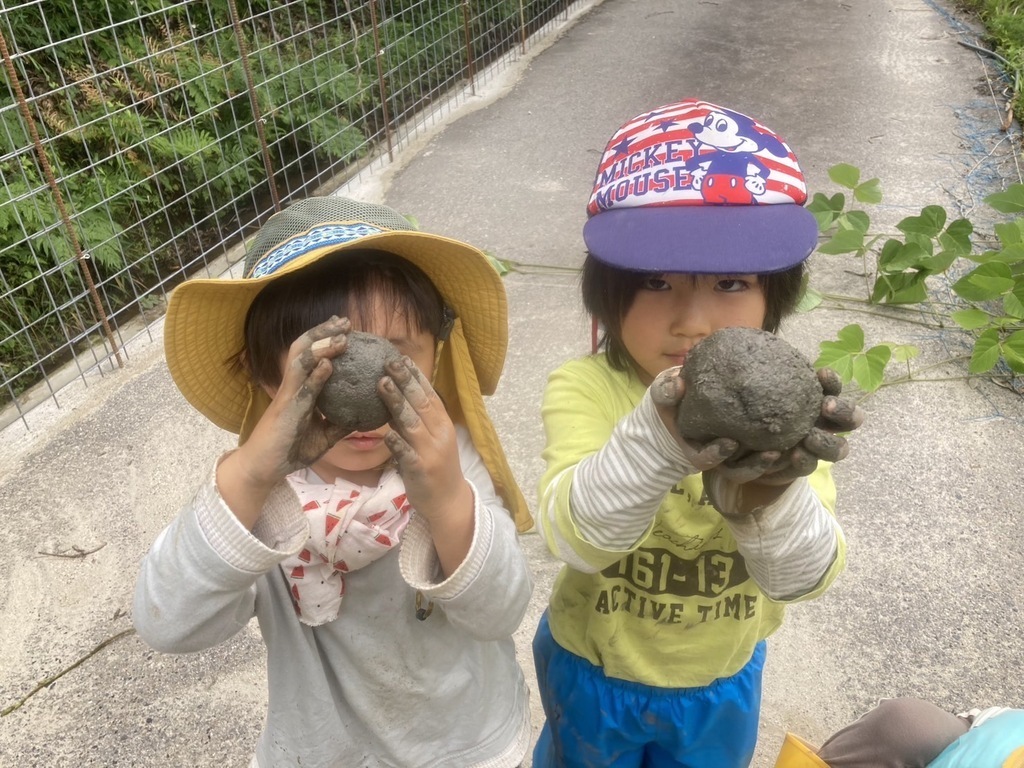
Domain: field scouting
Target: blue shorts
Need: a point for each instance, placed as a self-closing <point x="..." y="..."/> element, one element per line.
<point x="595" y="721"/>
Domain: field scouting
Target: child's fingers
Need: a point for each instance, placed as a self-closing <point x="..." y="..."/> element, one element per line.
<point x="325" y="341"/>
<point x="750" y="467"/>
<point x="840" y="415"/>
<point x="712" y="454"/>
<point x="310" y="386"/>
<point x="667" y="388"/>
<point x="317" y="337"/>
<point x="825" y="445"/>
<point x="797" y="463"/>
<point x="404" y="415"/>
<point x="413" y="401"/>
<point x="412" y="382"/>
<point x="400" y="449"/>
<point x="831" y="383"/>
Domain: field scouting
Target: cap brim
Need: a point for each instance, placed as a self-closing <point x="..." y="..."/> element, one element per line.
<point x="740" y="239"/>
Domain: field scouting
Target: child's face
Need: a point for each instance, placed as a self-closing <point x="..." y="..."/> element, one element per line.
<point x="672" y="312"/>
<point x="359" y="456"/>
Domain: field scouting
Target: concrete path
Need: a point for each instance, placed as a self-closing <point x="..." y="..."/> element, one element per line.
<point x="932" y="601"/>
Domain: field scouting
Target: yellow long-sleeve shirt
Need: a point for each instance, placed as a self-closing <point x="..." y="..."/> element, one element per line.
<point x="657" y="589"/>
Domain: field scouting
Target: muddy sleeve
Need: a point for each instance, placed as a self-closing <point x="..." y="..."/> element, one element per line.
<point x="606" y="479"/>
<point x="197" y="585"/>
<point x="489" y="592"/>
<point x="793" y="547"/>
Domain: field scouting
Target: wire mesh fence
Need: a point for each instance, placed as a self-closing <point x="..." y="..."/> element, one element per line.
<point x="140" y="139"/>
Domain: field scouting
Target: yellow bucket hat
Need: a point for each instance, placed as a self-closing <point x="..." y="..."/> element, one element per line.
<point x="204" y="327"/>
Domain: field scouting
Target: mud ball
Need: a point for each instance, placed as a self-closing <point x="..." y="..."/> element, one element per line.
<point x="751" y="386"/>
<point x="349" y="398"/>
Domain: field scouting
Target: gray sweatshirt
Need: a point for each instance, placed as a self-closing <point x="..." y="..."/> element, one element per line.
<point x="376" y="686"/>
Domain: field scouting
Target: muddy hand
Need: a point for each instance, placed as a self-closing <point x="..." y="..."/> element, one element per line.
<point x="837" y="415"/>
<point x="422" y="439"/>
<point x="823" y="442"/>
<point x="292" y="433"/>
<point x="667" y="390"/>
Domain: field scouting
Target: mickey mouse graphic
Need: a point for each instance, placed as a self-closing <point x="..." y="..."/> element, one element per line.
<point x="732" y="173"/>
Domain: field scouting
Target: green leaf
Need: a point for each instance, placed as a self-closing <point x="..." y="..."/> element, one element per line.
<point x="903" y="353"/>
<point x="901" y="256"/>
<point x="940" y="262"/>
<point x="929" y="223"/>
<point x="1013" y="302"/>
<point x="845" y="175"/>
<point x="826" y="209"/>
<point x="971" y="319"/>
<point x="99" y="237"/>
<point x="821" y="202"/>
<point x="889" y="254"/>
<point x="986" y="352"/>
<point x="1009" y="233"/>
<point x="809" y="299"/>
<point x="1013" y="351"/>
<point x="869" y="192"/>
<point x="925" y="243"/>
<point x="844" y="241"/>
<point x="957" y="237"/>
<point x="852" y="337"/>
<point x="838" y="360"/>
<point x="824" y="219"/>
<point x="840" y="354"/>
<point x="900" y="288"/>
<point x="1011" y="200"/>
<point x="856" y="220"/>
<point x="1011" y="254"/>
<point x="501" y="267"/>
<point x="869" y="368"/>
<point x="985" y="283"/>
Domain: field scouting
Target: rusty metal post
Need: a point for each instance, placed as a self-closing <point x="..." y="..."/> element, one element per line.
<point x="51" y="180"/>
<point x="522" y="28"/>
<point x="377" y="52"/>
<point x="243" y="52"/>
<point x="466" y="14"/>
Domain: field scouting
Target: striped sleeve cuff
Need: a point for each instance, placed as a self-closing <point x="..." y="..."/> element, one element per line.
<point x="789" y="544"/>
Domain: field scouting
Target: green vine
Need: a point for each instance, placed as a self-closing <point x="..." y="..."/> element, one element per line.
<point x="988" y="309"/>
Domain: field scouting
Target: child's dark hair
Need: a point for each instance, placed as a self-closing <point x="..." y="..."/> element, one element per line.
<point x="608" y="293"/>
<point x="347" y="286"/>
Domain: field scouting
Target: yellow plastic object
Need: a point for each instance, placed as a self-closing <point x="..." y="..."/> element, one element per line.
<point x="797" y="753"/>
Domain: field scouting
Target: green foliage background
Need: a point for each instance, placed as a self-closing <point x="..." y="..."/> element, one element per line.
<point x="988" y="305"/>
<point x="146" y="118"/>
<point x="1003" y="21"/>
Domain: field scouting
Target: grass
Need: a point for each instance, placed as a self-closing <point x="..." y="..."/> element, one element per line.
<point x="1004" y="24"/>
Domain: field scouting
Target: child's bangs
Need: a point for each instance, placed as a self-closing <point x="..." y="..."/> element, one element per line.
<point x="381" y="294"/>
<point x="358" y="284"/>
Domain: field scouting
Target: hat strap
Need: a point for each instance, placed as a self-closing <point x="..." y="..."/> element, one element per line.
<point x="459" y="389"/>
<point x="447" y="323"/>
<point x="259" y="401"/>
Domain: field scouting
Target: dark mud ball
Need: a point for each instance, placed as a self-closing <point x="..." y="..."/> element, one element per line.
<point x="349" y="398"/>
<point x="749" y="385"/>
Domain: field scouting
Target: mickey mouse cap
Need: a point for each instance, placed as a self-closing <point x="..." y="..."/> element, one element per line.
<point x="694" y="187"/>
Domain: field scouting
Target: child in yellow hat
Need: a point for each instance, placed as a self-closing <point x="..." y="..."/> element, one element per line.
<point x="382" y="565"/>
